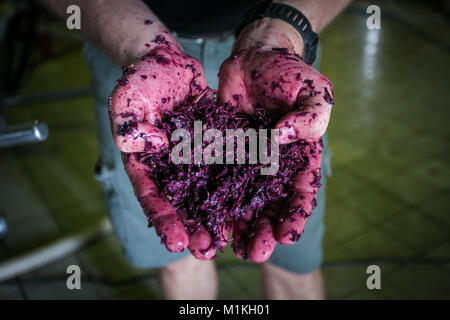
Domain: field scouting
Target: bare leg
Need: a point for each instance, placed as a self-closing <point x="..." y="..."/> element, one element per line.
<point x="189" y="278"/>
<point x="278" y="284"/>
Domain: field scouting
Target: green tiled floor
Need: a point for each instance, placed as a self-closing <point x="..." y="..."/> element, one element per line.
<point x="387" y="201"/>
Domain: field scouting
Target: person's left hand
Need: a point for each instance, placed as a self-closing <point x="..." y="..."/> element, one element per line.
<point x="271" y="74"/>
<point x="159" y="81"/>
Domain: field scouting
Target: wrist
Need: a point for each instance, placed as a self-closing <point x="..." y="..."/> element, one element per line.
<point x="147" y="37"/>
<point x="141" y="47"/>
<point x="268" y="33"/>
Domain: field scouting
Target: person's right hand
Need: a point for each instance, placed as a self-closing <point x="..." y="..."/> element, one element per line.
<point x="159" y="81"/>
<point x="265" y="70"/>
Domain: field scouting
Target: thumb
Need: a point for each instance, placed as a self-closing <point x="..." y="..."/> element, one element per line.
<point x="311" y="121"/>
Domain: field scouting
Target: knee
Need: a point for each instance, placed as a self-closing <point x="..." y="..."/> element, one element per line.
<point x="281" y="274"/>
<point x="187" y="265"/>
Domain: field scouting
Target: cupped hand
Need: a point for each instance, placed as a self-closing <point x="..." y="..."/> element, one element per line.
<point x="159" y="81"/>
<point x="273" y="76"/>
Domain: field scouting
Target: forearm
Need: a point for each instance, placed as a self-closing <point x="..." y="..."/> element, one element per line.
<point x="124" y="30"/>
<point x="277" y="33"/>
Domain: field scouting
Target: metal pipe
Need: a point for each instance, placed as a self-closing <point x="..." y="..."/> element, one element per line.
<point x="24" y="133"/>
<point x="28" y="262"/>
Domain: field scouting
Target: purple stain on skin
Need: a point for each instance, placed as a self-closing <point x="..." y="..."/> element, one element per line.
<point x="236" y="97"/>
<point x="126" y="128"/>
<point x="143" y="76"/>
<point x="314" y="115"/>
<point x="275" y="85"/>
<point x="163" y="100"/>
<point x="316" y="180"/>
<point x="314" y="204"/>
<point x="163" y="237"/>
<point x="196" y="85"/>
<point x="205" y="251"/>
<point x="309" y="83"/>
<point x="160" y="39"/>
<point x="295" y="236"/>
<point x="327" y="97"/>
<point x="122" y="82"/>
<point x="148" y="22"/>
<point x="255" y="74"/>
<point x="126" y="156"/>
<point x="129" y="114"/>
<point x="161" y="60"/>
<point x="128" y="70"/>
<point x="150" y="213"/>
<point x="148" y="145"/>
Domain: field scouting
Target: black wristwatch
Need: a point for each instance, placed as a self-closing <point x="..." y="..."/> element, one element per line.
<point x="292" y="16"/>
